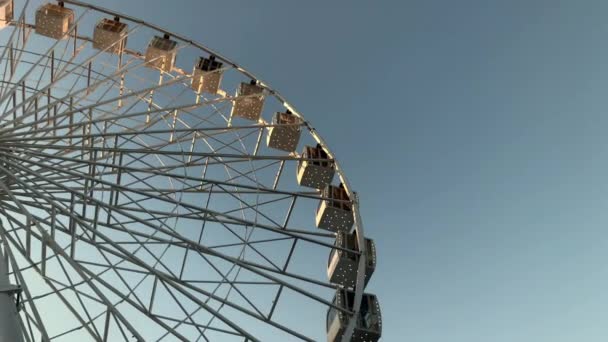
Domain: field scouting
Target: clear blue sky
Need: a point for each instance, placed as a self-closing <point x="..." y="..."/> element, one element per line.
<point x="475" y="132"/>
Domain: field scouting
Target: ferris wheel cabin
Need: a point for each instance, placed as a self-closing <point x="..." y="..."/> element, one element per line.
<point x="368" y="326"/>
<point x="54" y="21"/>
<point x="207" y="75"/>
<point x="110" y="35"/>
<point x="6" y="12"/>
<point x="284" y="134"/>
<point x="249" y="101"/>
<point x="161" y="53"/>
<point x="342" y="265"/>
<point x="335" y="212"/>
<point x="316" y="169"/>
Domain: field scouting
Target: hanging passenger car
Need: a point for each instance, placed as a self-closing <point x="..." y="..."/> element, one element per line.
<point x="368" y="326"/>
<point x="54" y="21"/>
<point x="315" y="169"/>
<point x="110" y="35"/>
<point x="342" y="266"/>
<point x="335" y="212"/>
<point x="249" y="101"/>
<point x="161" y="53"/>
<point x="207" y="75"/>
<point x="284" y="134"/>
<point x="6" y="12"/>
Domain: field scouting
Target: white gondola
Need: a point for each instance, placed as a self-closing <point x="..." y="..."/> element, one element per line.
<point x="316" y="169"/>
<point x="161" y="53"/>
<point x="368" y="326"/>
<point x="335" y="212"/>
<point x="54" y="21"/>
<point x="207" y="75"/>
<point x="6" y="12"/>
<point x="284" y="134"/>
<point x="249" y="101"/>
<point x="110" y="35"/>
<point x="342" y="265"/>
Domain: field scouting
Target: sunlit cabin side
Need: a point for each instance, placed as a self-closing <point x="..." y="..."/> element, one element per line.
<point x="284" y="133"/>
<point x="315" y="169"/>
<point x="368" y="327"/>
<point x="54" y="21"/>
<point x="335" y="212"/>
<point x="342" y="266"/>
<point x="161" y="53"/>
<point x="207" y="75"/>
<point x="110" y="35"/>
<point x="6" y="12"/>
<point x="249" y="101"/>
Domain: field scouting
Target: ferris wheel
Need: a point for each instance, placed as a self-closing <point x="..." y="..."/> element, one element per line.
<point x="153" y="190"/>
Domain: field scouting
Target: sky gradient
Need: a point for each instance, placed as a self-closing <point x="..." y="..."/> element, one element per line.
<point x="474" y="132"/>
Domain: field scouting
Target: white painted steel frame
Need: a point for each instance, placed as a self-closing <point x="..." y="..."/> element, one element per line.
<point x="35" y="173"/>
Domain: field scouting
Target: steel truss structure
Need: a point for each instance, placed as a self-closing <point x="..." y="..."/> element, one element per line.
<point x="135" y="207"/>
